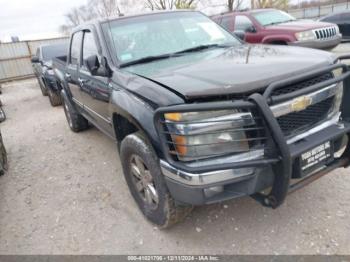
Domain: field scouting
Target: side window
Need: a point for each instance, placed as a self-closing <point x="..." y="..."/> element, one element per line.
<point x="75" y="48"/>
<point x="242" y="23"/>
<point x="226" y="23"/>
<point x="89" y="46"/>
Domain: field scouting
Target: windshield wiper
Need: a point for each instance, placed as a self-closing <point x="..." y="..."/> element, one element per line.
<point x="276" y="23"/>
<point x="147" y="59"/>
<point x="201" y="47"/>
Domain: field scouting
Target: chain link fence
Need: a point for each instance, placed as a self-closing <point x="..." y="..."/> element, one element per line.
<point x="318" y="11"/>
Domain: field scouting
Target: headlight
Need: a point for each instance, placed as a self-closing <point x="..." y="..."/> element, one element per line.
<point x="198" y="135"/>
<point x="305" y="36"/>
<point x="337" y="29"/>
<point x="50" y="72"/>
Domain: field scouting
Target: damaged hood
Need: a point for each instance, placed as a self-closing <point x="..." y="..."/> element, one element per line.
<point x="231" y="71"/>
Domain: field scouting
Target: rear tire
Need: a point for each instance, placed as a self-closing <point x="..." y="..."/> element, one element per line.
<point x="55" y="98"/>
<point x="76" y="121"/>
<point x="146" y="182"/>
<point x="43" y="87"/>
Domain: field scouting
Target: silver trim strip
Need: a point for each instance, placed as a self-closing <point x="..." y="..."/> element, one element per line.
<point x="214" y="176"/>
<point x="97" y="114"/>
<point x="315" y="97"/>
<point x="77" y="102"/>
<point x="90" y="110"/>
<point x="203" y="178"/>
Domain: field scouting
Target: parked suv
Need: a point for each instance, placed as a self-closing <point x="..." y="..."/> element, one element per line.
<point x="342" y="20"/>
<point x="199" y="117"/>
<point x="270" y="26"/>
<point x="42" y="65"/>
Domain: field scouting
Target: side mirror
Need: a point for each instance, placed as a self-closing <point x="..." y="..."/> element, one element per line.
<point x="96" y="68"/>
<point x="240" y="34"/>
<point x="35" y="59"/>
<point x="251" y="29"/>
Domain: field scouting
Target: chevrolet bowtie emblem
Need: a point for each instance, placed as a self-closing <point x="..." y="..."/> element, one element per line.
<point x="301" y="103"/>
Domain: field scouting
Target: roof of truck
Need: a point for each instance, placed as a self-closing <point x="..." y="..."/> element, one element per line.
<point x="103" y="20"/>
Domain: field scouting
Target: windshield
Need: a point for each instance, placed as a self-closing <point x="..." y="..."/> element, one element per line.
<point x="51" y="51"/>
<point x="154" y="35"/>
<point x="272" y="17"/>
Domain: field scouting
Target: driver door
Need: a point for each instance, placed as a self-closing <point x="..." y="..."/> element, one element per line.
<point x="95" y="90"/>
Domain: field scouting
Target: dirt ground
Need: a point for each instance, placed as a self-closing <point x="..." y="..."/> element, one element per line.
<point x="65" y="194"/>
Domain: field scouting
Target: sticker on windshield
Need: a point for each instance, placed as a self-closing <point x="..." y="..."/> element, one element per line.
<point x="125" y="57"/>
<point x="213" y="30"/>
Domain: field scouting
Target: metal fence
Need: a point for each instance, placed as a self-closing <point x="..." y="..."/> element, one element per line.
<point x="318" y="11"/>
<point x="15" y="57"/>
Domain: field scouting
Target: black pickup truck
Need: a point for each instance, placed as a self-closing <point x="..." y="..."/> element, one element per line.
<point x="200" y="117"/>
<point x="42" y="66"/>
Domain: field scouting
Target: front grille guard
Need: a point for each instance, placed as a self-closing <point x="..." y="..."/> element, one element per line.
<point x="282" y="162"/>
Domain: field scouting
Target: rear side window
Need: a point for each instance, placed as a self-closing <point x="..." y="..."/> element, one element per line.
<point x="52" y="51"/>
<point x="226" y="23"/>
<point x="75" y="48"/>
<point x="242" y="23"/>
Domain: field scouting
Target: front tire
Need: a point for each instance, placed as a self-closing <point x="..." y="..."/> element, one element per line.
<point x="76" y="121"/>
<point x="146" y="182"/>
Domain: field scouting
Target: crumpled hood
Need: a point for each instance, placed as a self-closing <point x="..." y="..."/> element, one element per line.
<point x="299" y="25"/>
<point x="236" y="71"/>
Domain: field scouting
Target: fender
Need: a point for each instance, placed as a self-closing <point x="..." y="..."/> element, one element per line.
<point x="285" y="38"/>
<point x="137" y="112"/>
<point x="61" y="79"/>
<point x="68" y="99"/>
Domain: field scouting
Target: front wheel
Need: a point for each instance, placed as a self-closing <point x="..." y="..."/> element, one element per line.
<point x="146" y="182"/>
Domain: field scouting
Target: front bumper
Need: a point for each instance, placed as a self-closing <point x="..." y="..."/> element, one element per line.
<point x="210" y="187"/>
<point x="319" y="44"/>
<point x="249" y="176"/>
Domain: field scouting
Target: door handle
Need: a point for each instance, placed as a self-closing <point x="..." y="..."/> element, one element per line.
<point x="81" y="81"/>
<point x="68" y="76"/>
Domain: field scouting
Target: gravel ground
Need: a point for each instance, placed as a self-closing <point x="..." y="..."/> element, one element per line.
<point x="65" y="194"/>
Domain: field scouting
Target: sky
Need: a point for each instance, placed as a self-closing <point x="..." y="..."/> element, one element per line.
<point x="37" y="19"/>
<point x="33" y="19"/>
